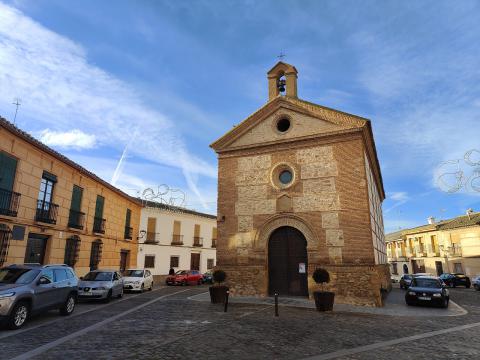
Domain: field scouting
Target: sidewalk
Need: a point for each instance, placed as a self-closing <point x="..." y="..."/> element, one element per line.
<point x="394" y="305"/>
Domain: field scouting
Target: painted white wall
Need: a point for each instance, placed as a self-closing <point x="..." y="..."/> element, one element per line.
<point x="164" y="231"/>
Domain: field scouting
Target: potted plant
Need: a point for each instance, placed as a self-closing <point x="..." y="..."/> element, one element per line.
<point x="323" y="299"/>
<point x="218" y="292"/>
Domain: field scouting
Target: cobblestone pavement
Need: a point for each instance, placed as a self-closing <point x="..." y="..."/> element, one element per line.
<point x="165" y="324"/>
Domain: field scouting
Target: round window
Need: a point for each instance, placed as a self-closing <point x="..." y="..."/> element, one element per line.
<point x="283" y="125"/>
<point x="285" y="177"/>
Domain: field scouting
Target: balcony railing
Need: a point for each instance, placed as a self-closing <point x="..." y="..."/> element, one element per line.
<point x="46" y="212"/>
<point x="401" y="254"/>
<point x="197" y="241"/>
<point x="128" y="232"/>
<point x="99" y="225"/>
<point x="177" y="239"/>
<point x="76" y="219"/>
<point x="151" y="238"/>
<point x="434" y="251"/>
<point x="214" y="243"/>
<point x="9" y="202"/>
<point x="455" y="250"/>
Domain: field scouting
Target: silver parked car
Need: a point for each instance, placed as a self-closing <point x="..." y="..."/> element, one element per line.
<point x="101" y="284"/>
<point x="33" y="288"/>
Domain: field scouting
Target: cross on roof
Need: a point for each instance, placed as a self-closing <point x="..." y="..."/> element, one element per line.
<point x="281" y="55"/>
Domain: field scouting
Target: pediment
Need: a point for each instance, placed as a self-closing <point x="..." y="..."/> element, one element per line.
<point x="306" y="120"/>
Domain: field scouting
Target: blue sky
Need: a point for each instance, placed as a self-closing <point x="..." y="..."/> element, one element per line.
<point x="158" y="81"/>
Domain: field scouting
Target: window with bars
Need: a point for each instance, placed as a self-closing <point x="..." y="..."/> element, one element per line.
<point x="174" y="261"/>
<point x="5" y="236"/>
<point x="210" y="263"/>
<point x="95" y="254"/>
<point x="149" y="261"/>
<point x="72" y="250"/>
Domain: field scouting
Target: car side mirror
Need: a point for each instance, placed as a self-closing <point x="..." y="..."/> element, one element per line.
<point x="43" y="281"/>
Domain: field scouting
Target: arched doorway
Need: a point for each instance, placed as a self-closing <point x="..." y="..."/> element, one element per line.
<point x="287" y="262"/>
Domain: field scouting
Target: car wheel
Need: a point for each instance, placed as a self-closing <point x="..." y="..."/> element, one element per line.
<point x="199" y="282"/>
<point x="151" y="286"/>
<point x="142" y="288"/>
<point x="19" y="315"/>
<point x="109" y="296"/>
<point x="409" y="303"/>
<point x="184" y="283"/>
<point x="68" y="306"/>
<point x="476" y="287"/>
<point x="445" y="303"/>
<point x="467" y="286"/>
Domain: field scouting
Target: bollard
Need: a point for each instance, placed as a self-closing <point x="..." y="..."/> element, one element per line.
<point x="226" y="301"/>
<point x="276" y="304"/>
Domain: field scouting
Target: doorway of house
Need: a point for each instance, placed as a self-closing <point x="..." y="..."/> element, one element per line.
<point x="287" y="262"/>
<point x="195" y="261"/>
<point x="123" y="260"/>
<point x="36" y="246"/>
<point x="439" y="267"/>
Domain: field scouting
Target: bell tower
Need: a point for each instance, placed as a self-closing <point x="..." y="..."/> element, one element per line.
<point x="282" y="80"/>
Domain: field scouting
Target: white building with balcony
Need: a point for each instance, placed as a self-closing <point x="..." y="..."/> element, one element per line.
<point x="175" y="237"/>
<point x="445" y="246"/>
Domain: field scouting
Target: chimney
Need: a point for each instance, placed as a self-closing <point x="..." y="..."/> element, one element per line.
<point x="469" y="212"/>
<point x="431" y="220"/>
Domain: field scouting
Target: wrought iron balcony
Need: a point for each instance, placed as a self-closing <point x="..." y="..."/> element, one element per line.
<point x="455" y="250"/>
<point x="214" y="243"/>
<point x="99" y="225"/>
<point x="197" y="241"/>
<point x="76" y="219"/>
<point x="128" y="232"/>
<point x="151" y="238"/>
<point x="9" y="202"/>
<point x="46" y="212"/>
<point x="177" y="239"/>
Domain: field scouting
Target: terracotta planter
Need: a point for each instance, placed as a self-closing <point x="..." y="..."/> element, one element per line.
<point x="218" y="293"/>
<point x="324" y="300"/>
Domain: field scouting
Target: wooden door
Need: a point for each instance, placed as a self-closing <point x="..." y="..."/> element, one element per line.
<point x="195" y="261"/>
<point x="36" y="246"/>
<point x="287" y="262"/>
<point x="123" y="260"/>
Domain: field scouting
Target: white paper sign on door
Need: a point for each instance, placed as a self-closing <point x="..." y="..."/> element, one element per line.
<point x="301" y="268"/>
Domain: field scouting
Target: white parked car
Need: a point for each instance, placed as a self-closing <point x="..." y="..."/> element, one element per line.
<point x="137" y="280"/>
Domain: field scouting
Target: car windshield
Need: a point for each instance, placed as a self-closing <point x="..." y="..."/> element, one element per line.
<point x="427" y="283"/>
<point x="17" y="276"/>
<point x="181" y="272"/>
<point x="407" y="277"/>
<point x="134" y="273"/>
<point x="98" y="276"/>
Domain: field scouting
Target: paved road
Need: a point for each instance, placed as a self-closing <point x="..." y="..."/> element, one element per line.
<point x="165" y="324"/>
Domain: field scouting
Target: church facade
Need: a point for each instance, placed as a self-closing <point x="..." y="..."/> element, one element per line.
<point x="299" y="187"/>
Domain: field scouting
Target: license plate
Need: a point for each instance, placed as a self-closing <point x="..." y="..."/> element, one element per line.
<point x="424" y="298"/>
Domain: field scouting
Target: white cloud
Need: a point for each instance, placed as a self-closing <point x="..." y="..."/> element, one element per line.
<point x="398" y="196"/>
<point x="60" y="89"/>
<point x="69" y="139"/>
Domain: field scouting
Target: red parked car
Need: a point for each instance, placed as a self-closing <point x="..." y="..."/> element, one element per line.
<point x="185" y="277"/>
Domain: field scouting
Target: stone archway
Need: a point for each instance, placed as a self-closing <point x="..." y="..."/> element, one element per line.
<point x="265" y="231"/>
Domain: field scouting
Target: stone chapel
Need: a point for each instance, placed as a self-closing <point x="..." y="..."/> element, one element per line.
<point x="299" y="187"/>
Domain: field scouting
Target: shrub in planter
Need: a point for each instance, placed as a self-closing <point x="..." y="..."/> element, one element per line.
<point x="218" y="292"/>
<point x="323" y="299"/>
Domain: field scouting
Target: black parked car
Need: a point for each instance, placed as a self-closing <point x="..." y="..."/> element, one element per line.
<point x="427" y="290"/>
<point x="405" y="281"/>
<point x="456" y="279"/>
